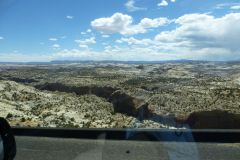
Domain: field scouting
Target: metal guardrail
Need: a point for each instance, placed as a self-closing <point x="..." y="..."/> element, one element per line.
<point x="181" y="135"/>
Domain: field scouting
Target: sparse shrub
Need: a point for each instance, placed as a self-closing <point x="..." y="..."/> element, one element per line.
<point x="62" y="118"/>
<point x="46" y="115"/>
<point x="69" y="125"/>
<point x="140" y="66"/>
<point x="9" y="115"/>
<point x="87" y="125"/>
<point x="87" y="115"/>
<point x="23" y="119"/>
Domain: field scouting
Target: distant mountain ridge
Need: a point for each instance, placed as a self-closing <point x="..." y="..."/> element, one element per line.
<point x="117" y="62"/>
<point x="123" y="62"/>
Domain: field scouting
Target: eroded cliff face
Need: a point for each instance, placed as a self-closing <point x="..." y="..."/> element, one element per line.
<point x="126" y="104"/>
<point x="26" y="106"/>
<point x="99" y="91"/>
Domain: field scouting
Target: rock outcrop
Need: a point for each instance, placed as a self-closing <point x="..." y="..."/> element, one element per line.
<point x="124" y="103"/>
<point x="99" y="91"/>
<point x="213" y="120"/>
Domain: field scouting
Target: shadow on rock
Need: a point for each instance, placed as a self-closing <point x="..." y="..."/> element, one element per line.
<point x="216" y="119"/>
<point x="126" y="104"/>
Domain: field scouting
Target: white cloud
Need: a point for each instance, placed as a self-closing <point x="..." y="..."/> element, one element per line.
<point x="196" y="36"/>
<point x="110" y="53"/>
<point x="105" y="36"/>
<point x="53" y="39"/>
<point x="204" y="34"/>
<point x="163" y="3"/>
<point x="222" y="5"/>
<point x="116" y="23"/>
<point x="89" y="31"/>
<point x="206" y="30"/>
<point x="1" y="38"/>
<point x="86" y="32"/>
<point x="237" y="7"/>
<point x="130" y="5"/>
<point x="84" y="43"/>
<point x="153" y="23"/>
<point x="227" y="5"/>
<point x="134" y="41"/>
<point x="83" y="46"/>
<point x="123" y="24"/>
<point x="56" y="46"/>
<point x="69" y="17"/>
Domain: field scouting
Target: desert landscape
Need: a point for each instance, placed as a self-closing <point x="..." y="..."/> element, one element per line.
<point x="174" y="94"/>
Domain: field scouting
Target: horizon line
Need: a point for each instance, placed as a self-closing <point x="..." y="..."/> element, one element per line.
<point x="76" y="61"/>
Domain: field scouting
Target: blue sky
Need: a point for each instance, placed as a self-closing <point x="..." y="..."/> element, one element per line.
<point x="45" y="30"/>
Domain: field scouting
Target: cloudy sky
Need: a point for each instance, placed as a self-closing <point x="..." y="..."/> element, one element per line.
<point x="45" y="30"/>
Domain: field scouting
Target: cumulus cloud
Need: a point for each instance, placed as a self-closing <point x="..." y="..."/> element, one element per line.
<point x="123" y="24"/>
<point x="163" y="3"/>
<point x="153" y="23"/>
<point x="84" y="43"/>
<point x="196" y="36"/>
<point x="116" y="23"/>
<point x="237" y="7"/>
<point x="206" y="33"/>
<point x="202" y="30"/>
<point x="134" y="41"/>
<point x="130" y="5"/>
